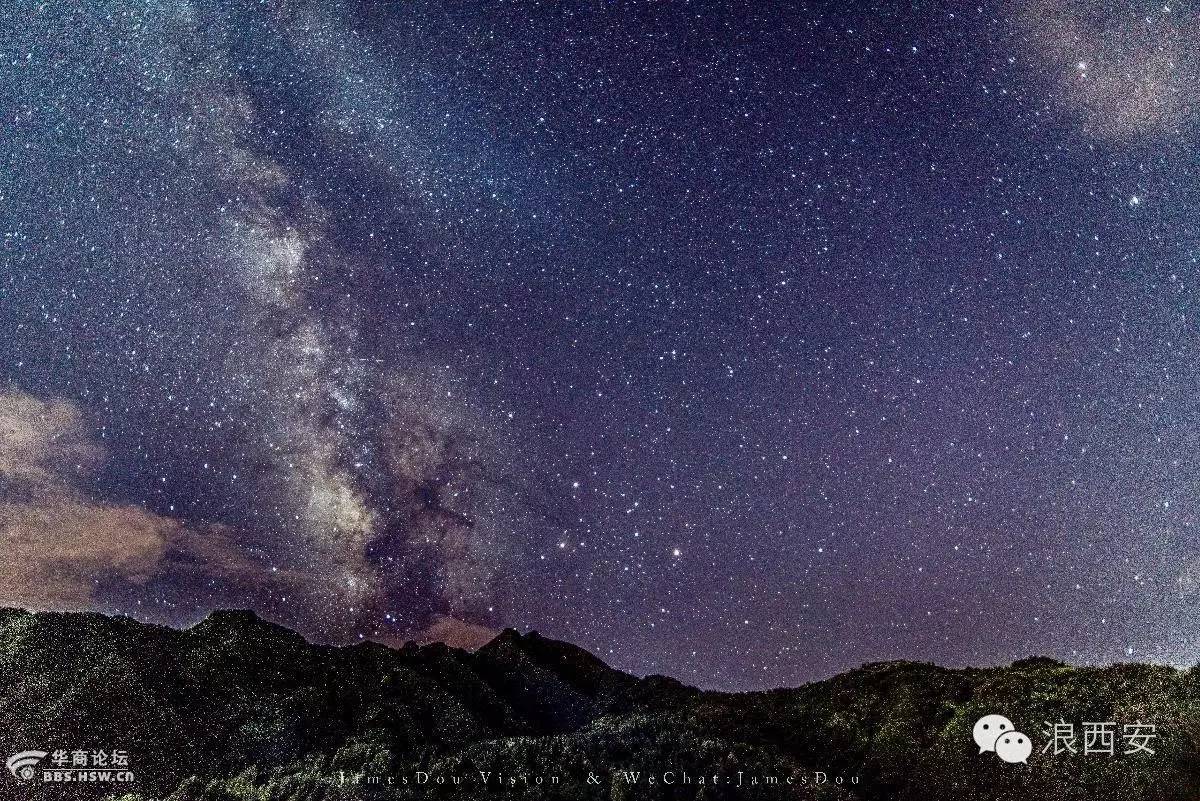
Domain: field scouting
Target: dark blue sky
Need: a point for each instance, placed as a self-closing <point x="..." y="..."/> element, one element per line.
<point x="739" y="344"/>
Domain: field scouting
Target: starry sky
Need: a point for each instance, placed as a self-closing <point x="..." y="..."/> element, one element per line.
<point x="743" y="343"/>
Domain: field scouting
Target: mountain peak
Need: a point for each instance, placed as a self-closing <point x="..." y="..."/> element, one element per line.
<point x="233" y="617"/>
<point x="234" y="621"/>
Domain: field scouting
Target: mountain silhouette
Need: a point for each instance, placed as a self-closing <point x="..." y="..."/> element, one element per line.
<point x="239" y="709"/>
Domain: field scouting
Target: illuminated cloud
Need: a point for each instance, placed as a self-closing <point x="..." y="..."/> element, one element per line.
<point x="42" y="443"/>
<point x="56" y="544"/>
<point x="456" y="633"/>
<point x="1123" y="76"/>
<point x="54" y="553"/>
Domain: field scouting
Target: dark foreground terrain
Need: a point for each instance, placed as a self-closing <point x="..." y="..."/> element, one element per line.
<point x="239" y="709"/>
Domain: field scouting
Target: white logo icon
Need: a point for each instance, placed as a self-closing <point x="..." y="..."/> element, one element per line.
<point x="1013" y="747"/>
<point x="22" y="765"/>
<point x="997" y="733"/>
<point x="988" y="728"/>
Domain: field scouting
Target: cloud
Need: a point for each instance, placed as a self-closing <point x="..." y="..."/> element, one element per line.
<point x="43" y="443"/>
<point x="446" y="629"/>
<point x="456" y="633"/>
<point x="1122" y="76"/>
<point x="54" y="553"/>
<point x="57" y="545"/>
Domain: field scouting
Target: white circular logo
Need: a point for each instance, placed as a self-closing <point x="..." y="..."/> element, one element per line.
<point x="988" y="728"/>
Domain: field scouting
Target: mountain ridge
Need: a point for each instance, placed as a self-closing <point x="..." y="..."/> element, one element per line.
<point x="237" y="708"/>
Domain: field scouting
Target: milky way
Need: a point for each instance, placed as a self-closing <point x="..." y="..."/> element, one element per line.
<point x="734" y="343"/>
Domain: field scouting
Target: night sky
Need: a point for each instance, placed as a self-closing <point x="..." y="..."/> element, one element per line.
<point x="742" y="344"/>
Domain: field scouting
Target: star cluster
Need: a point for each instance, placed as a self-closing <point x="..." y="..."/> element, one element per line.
<point x="739" y="342"/>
